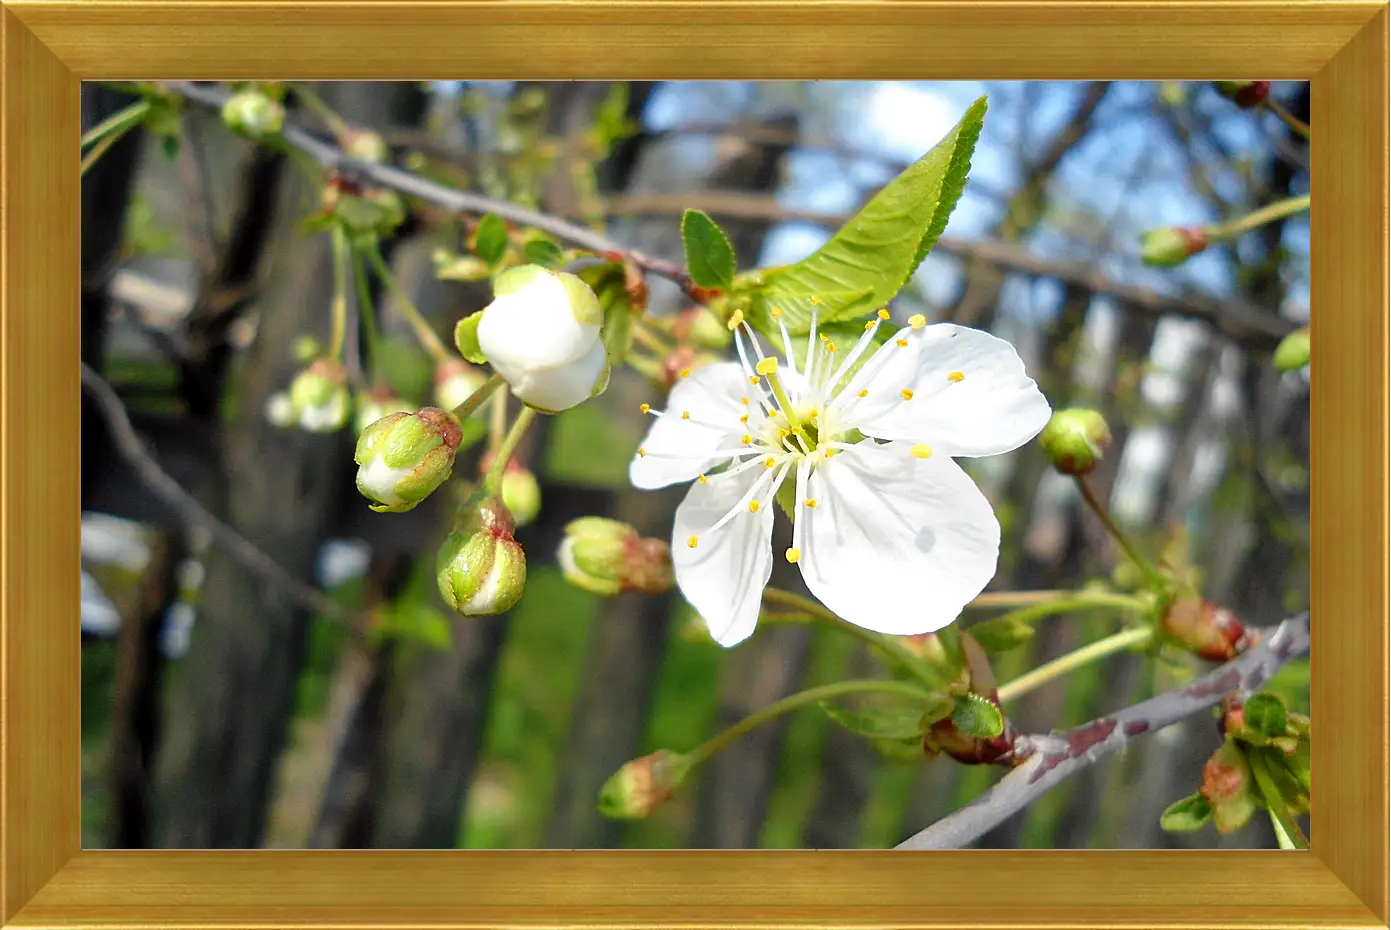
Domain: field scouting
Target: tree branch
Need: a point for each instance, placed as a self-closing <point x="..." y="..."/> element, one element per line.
<point x="1054" y="757"/>
<point x="148" y="470"/>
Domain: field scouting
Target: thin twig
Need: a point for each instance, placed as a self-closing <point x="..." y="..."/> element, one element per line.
<point x="1055" y="757"/>
<point x="148" y="470"/>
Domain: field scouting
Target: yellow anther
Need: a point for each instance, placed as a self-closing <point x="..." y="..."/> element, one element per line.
<point x="871" y="324"/>
<point x="956" y="377"/>
<point x="864" y="393"/>
<point x="774" y="312"/>
<point x="812" y="414"/>
<point x="883" y="313"/>
<point x="753" y="506"/>
<point x="646" y="408"/>
<point x="824" y="337"/>
<point x="830" y="347"/>
<point x="753" y="379"/>
<point x="831" y="452"/>
<point x="744" y="401"/>
<point x="784" y="433"/>
<point x="906" y="394"/>
<point x="810" y="502"/>
<point x="641" y="452"/>
<point x="917" y="321"/>
<point x="693" y="541"/>
<point x="815" y="301"/>
<point x="685" y="372"/>
<point x="766" y="366"/>
<point x="769" y="462"/>
<point x="746" y="440"/>
<point x="703" y="480"/>
<point x="794" y="554"/>
<point x="685" y="414"/>
<point x="921" y="452"/>
<point x="735" y="320"/>
<point x="902" y="343"/>
<point x="744" y="419"/>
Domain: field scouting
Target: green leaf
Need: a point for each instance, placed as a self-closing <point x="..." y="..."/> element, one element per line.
<point x="416" y="622"/>
<point x="1265" y="716"/>
<point x="490" y="239"/>
<point x="1186" y="815"/>
<point x="609" y="283"/>
<point x="317" y="223"/>
<point x="939" y="707"/>
<point x="893" y="723"/>
<point x="449" y="267"/>
<point x="976" y="716"/>
<point x="1002" y="633"/>
<point x="709" y="256"/>
<point x="543" y="252"/>
<point x="869" y="260"/>
<point x="466" y="338"/>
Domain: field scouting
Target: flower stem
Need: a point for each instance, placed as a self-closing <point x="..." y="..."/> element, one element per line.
<point x="369" y="317"/>
<point x="497" y="429"/>
<point x="886" y="645"/>
<point x="1068" y="601"/>
<point x="1267" y="214"/>
<point x="95" y="153"/>
<point x="650" y="339"/>
<point x="1121" y="539"/>
<point x="1062" y="665"/>
<point x="335" y="123"/>
<point x="422" y="328"/>
<point x="725" y="738"/>
<point x="116" y="124"/>
<point x="1275" y="806"/>
<point x="340" y="293"/>
<point x="1015" y="598"/>
<point x="475" y="400"/>
<point x="1281" y="836"/>
<point x="493" y="481"/>
<point x="1297" y="125"/>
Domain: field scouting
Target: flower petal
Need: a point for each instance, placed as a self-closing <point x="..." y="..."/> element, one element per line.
<point x="896" y="544"/>
<point x="970" y="395"/>
<point x="555" y="389"/>
<point x="677" y="449"/>
<point x="534" y="325"/>
<point x="723" y="575"/>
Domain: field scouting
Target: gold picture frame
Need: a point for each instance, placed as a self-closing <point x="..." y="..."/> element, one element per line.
<point x="49" y="47"/>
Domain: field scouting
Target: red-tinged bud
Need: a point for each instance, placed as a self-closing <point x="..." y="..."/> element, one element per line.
<point x="945" y="737"/>
<point x="607" y="557"/>
<point x="1227" y="784"/>
<point x="643" y="785"/>
<point x="1233" y="716"/>
<point x="1204" y="629"/>
<point x="1170" y="246"/>
<point x="1245" y="94"/>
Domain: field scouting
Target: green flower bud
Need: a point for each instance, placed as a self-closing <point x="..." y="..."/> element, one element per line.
<point x="252" y="114"/>
<point x="1292" y="353"/>
<point x="607" y="557"/>
<point x="1075" y="440"/>
<point x="306" y="348"/>
<point x="643" y="785"/>
<point x="1227" y="785"/>
<point x="1170" y="246"/>
<point x="1246" y="94"/>
<point x="402" y="458"/>
<point x="521" y="493"/>
<point x="319" y="399"/>
<point x="1204" y="629"/>
<point x="366" y="146"/>
<point x="480" y="568"/>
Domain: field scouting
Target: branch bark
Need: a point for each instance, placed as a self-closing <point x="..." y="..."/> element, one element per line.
<point x="1055" y="757"/>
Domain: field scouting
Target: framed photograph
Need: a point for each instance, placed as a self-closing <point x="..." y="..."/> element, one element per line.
<point x="734" y="465"/>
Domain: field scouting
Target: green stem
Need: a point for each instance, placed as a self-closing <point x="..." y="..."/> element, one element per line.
<point x="1281" y="837"/>
<point x="369" y="318"/>
<point x="95" y="153"/>
<point x="1296" y="124"/>
<point x="117" y="123"/>
<point x="648" y="338"/>
<point x="1070" y="601"/>
<point x="475" y="400"/>
<point x="497" y="429"/>
<point x="1267" y="214"/>
<point x="422" y="328"/>
<point x="335" y="123"/>
<point x="340" y="293"/>
<point x="1015" y="598"/>
<point x="493" y="481"/>
<point x="1062" y="665"/>
<point x="1121" y="539"/>
<point x="723" y="739"/>
<point x="886" y="645"/>
<point x="1275" y="805"/>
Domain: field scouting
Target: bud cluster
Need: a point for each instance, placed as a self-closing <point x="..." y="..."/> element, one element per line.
<point x="316" y="402"/>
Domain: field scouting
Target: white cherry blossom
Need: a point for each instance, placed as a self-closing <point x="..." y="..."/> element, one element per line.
<point x="888" y="531"/>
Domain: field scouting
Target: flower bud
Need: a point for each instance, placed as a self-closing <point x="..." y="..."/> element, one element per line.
<point x="643" y="785"/>
<point x="366" y="146"/>
<point x="480" y="568"/>
<point x="376" y="405"/>
<point x="1170" y="246"/>
<point x="541" y="333"/>
<point x="1292" y="353"/>
<point x="280" y="410"/>
<point x="1204" y="629"/>
<point x="945" y="737"/>
<point x="306" y="348"/>
<point x="455" y="382"/>
<point x="252" y="114"/>
<point x="521" y="493"/>
<point x="319" y="398"/>
<point x="607" y="557"/>
<point x="1227" y="784"/>
<point x="1075" y="440"/>
<point x="1246" y="94"/>
<point x="402" y="458"/>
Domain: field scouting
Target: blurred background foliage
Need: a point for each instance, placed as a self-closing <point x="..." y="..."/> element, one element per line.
<point x="217" y="712"/>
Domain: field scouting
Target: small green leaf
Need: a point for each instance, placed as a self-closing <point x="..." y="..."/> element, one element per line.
<point x="609" y="283"/>
<point x="490" y="239"/>
<point x="466" y="338"/>
<point x="939" y="707"/>
<point x="460" y="267"/>
<point x="870" y="259"/>
<point x="543" y="252"/>
<point x="1002" y="634"/>
<point x="1186" y="815"/>
<point x="709" y="256"/>
<point x="895" y="723"/>
<point x="1265" y="716"/>
<point x="317" y="223"/>
<point x="976" y="716"/>
<point x="1230" y="816"/>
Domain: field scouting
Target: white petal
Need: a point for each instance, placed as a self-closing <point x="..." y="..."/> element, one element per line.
<point x="896" y="544"/>
<point x="562" y="387"/>
<point x="724" y="574"/>
<point x="533" y="327"/>
<point x="677" y="449"/>
<point x="971" y="395"/>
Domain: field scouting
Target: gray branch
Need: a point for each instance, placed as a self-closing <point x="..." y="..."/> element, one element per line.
<point x="1054" y="757"/>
